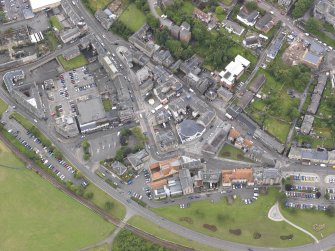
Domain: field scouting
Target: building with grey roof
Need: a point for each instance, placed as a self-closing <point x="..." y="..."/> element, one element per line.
<point x="106" y="18"/>
<point x="175" y="29"/>
<point x="315" y="47"/>
<point x="319" y="155"/>
<point x="138" y="159"/>
<point x="71" y="53"/>
<point x="247" y="17"/>
<point x="189" y="130"/>
<point x="185" y="35"/>
<point x="167" y="140"/>
<point x="269" y="141"/>
<point x="267" y="176"/>
<point x="307" y="124"/>
<point x="252" y="42"/>
<point x="233" y="27"/>
<point x="265" y="23"/>
<point x="285" y="3"/>
<point x="142" y="41"/>
<point x="275" y="47"/>
<point x="174" y="188"/>
<point x="325" y="10"/>
<point x="186" y="26"/>
<point x="186" y="181"/>
<point x="70" y="34"/>
<point x="224" y="94"/>
<point x="191" y="64"/>
<point x="257" y="83"/>
<point x="211" y="178"/>
<point x="213" y="144"/>
<point x="211" y="94"/>
<point x="247" y="122"/>
<point x="118" y="168"/>
<point x="317" y="94"/>
<point x="312" y="59"/>
<point x="244" y="101"/>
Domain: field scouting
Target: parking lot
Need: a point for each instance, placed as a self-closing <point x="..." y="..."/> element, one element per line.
<point x="70" y="88"/>
<point x="14" y="9"/>
<point x="104" y="147"/>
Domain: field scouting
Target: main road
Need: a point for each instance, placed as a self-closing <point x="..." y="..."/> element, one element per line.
<point x="147" y="214"/>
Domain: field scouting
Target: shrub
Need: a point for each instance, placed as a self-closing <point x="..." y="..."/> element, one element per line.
<point x="257" y="235"/>
<point x="235" y="231"/>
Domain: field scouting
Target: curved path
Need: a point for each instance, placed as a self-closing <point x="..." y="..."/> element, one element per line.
<point x="275" y="215"/>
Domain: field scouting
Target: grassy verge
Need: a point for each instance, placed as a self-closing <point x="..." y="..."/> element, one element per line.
<point x="107" y="104"/>
<point x="38" y="216"/>
<point x="132" y="17"/>
<point x="73" y="63"/>
<point x="236" y="222"/>
<point x="230" y="152"/>
<point x="3" y="106"/>
<point x="55" y="23"/>
<point x="151" y="228"/>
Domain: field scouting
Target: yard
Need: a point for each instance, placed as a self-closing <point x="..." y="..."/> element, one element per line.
<point x="52" y="40"/>
<point x="273" y="111"/>
<point x="133" y="18"/>
<point x="55" y="23"/>
<point x="94" y="5"/>
<point x="310" y="219"/>
<point x="237" y="222"/>
<point x="3" y="106"/>
<point x="72" y="63"/>
<point x="151" y="228"/>
<point x="37" y="216"/>
<point x="230" y="152"/>
<point x="107" y="103"/>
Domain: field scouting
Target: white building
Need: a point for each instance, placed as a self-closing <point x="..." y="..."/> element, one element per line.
<point x="38" y="5"/>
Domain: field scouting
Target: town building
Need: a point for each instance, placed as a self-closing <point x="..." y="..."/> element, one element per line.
<point x="213" y="144"/>
<point x="285" y="3"/>
<point x="138" y="159"/>
<point x="319" y="155"/>
<point x="167" y="140"/>
<point x="268" y="140"/>
<point x="224" y="94"/>
<point x="233" y="27"/>
<point x="307" y="124"/>
<point x="252" y="42"/>
<point x="71" y="53"/>
<point x="189" y="130"/>
<point x="118" y="168"/>
<point x="311" y="59"/>
<point x="325" y="10"/>
<point x="186" y="181"/>
<point x="237" y="176"/>
<point x="247" y="17"/>
<point x="265" y="23"/>
<point x="275" y="47"/>
<point x="204" y="17"/>
<point x="105" y="17"/>
<point x="70" y="34"/>
<point x="257" y="83"/>
<point x="38" y="5"/>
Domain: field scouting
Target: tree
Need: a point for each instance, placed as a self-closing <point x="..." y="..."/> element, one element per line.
<point x="288" y="187"/>
<point x="152" y="21"/>
<point x="251" y="6"/>
<point x="109" y="205"/>
<point x="300" y="7"/>
<point x="89" y="195"/>
<point x="318" y="194"/>
<point x="78" y="175"/>
<point x="313" y="25"/>
<point x="58" y="154"/>
<point x="219" y="10"/>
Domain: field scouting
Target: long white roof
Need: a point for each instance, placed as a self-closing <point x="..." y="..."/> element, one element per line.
<point x="37" y="4"/>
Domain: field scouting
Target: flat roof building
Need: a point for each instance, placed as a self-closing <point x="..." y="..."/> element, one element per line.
<point x="38" y="5"/>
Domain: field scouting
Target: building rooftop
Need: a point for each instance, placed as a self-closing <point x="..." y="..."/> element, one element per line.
<point x="90" y="110"/>
<point x="119" y="168"/>
<point x="241" y="174"/>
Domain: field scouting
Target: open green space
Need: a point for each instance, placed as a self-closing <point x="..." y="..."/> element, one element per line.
<point x="37" y="216"/>
<point x="151" y="228"/>
<point x="100" y="198"/>
<point x="158" y="10"/>
<point x="51" y="40"/>
<point x="3" y="106"/>
<point x="188" y="7"/>
<point x="230" y="152"/>
<point x="311" y="220"/>
<point x="132" y="17"/>
<point x="226" y="2"/>
<point x="73" y="63"/>
<point x="236" y="222"/>
<point x="319" y="29"/>
<point x="55" y="23"/>
<point x="94" y="5"/>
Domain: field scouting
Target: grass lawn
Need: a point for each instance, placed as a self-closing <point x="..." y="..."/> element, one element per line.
<point x="52" y="40"/>
<point x="133" y="18"/>
<point x="37" y="216"/>
<point x="94" y="5"/>
<point x="307" y="218"/>
<point x="55" y="23"/>
<point x="277" y="128"/>
<point x="230" y="152"/>
<point x="107" y="104"/>
<point x="149" y="227"/>
<point x="158" y="10"/>
<point x="3" y="106"/>
<point x="236" y="216"/>
<point x="73" y="63"/>
<point x="100" y="198"/>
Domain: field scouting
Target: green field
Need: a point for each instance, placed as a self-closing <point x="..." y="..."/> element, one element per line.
<point x="222" y="217"/>
<point x="307" y="218"/>
<point x="36" y="216"/>
<point x="94" y="5"/>
<point x="3" y="106"/>
<point x="73" y="63"/>
<point x="133" y="18"/>
<point x="230" y="152"/>
<point x="151" y="228"/>
<point x="55" y="23"/>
